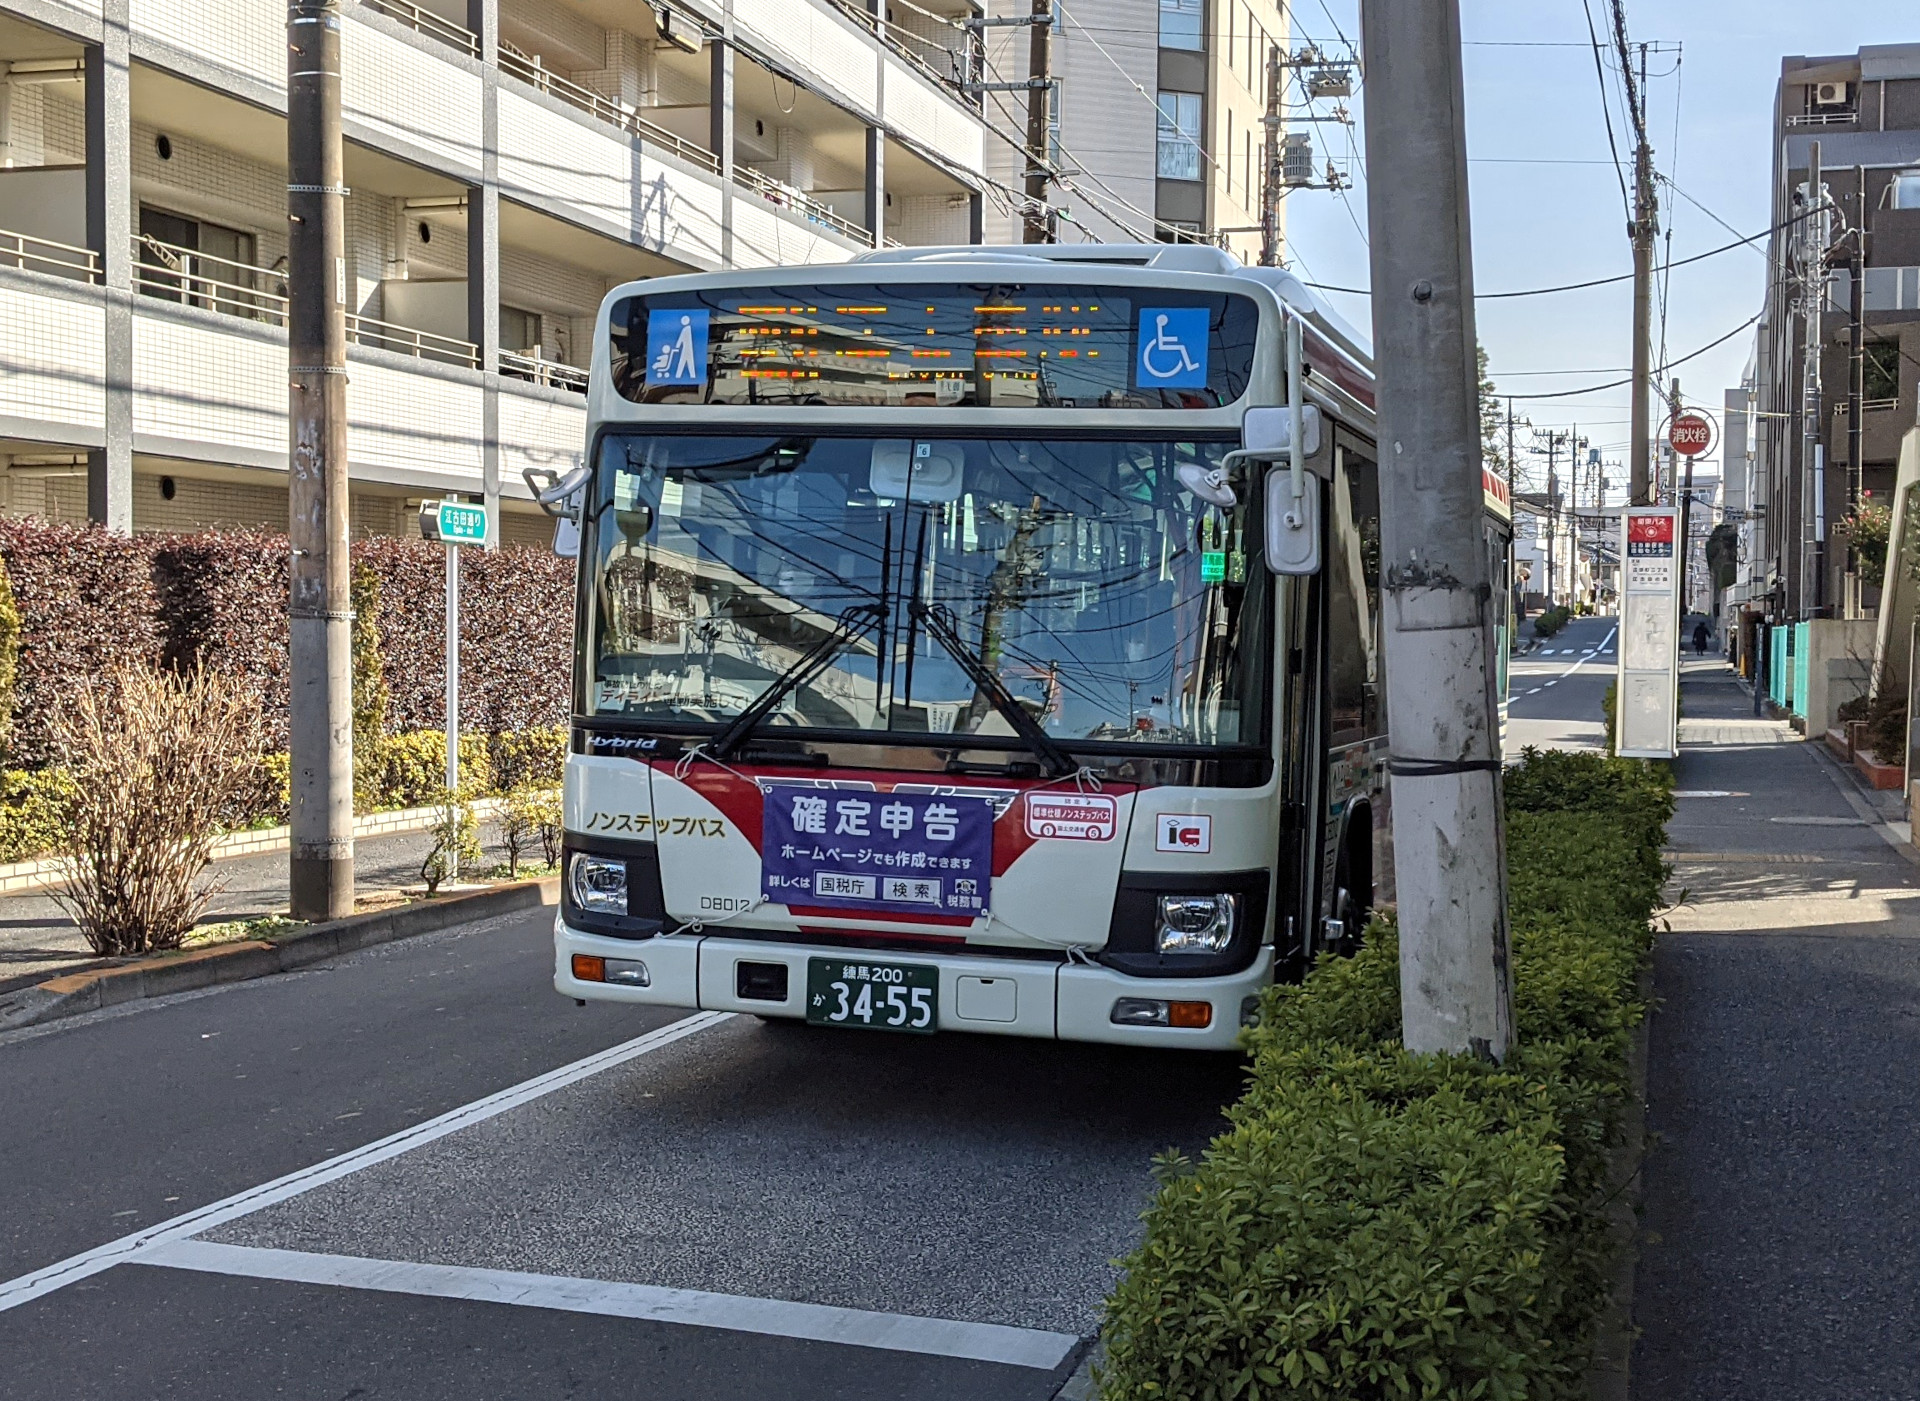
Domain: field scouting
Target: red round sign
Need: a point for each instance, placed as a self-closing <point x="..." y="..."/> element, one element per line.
<point x="1690" y="434"/>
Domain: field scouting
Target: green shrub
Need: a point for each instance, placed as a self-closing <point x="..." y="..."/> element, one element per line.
<point x="1551" y="621"/>
<point x="456" y="843"/>
<point x="410" y="770"/>
<point x="529" y="758"/>
<point x="1379" y="1224"/>
<point x="32" y="808"/>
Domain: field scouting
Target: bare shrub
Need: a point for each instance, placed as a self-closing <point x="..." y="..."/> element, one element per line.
<point x="530" y="817"/>
<point x="158" y="760"/>
<point x="456" y="843"/>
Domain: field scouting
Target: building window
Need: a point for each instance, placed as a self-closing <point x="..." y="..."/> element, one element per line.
<point x="1179" y="144"/>
<point x="1181" y="22"/>
<point x="1180" y="231"/>
<point x="1891" y="289"/>
<point x="1906" y="190"/>
<point x="1882" y="371"/>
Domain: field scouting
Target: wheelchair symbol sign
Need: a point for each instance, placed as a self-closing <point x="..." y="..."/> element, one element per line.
<point x="1173" y="348"/>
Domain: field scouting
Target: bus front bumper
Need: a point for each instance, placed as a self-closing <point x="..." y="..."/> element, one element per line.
<point x="996" y="995"/>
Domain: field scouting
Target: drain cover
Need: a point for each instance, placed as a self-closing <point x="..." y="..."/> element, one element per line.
<point x="1819" y="821"/>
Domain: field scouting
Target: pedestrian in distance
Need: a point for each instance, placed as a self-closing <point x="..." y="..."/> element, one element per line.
<point x="1701" y="637"/>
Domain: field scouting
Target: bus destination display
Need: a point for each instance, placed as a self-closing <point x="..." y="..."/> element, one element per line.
<point x="936" y="346"/>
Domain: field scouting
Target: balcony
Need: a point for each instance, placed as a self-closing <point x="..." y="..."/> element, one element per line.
<point x="428" y="23"/>
<point x="530" y="71"/>
<point x="786" y="197"/>
<point x="533" y="370"/>
<point x="19" y="250"/>
<point x="191" y="278"/>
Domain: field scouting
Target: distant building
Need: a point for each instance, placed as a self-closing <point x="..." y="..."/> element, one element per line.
<point x="1793" y="481"/>
<point x="1158" y="121"/>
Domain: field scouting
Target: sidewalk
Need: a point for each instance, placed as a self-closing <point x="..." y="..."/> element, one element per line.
<point x="37" y="939"/>
<point x="1780" y="1240"/>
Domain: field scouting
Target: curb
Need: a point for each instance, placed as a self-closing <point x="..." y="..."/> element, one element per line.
<point x="72" y="994"/>
<point x="49" y="871"/>
<point x="1608" y="1374"/>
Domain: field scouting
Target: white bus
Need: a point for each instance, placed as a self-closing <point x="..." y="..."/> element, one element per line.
<point x="962" y="644"/>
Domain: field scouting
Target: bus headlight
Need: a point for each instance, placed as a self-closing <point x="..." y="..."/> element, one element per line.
<point x="598" y="884"/>
<point x="1196" y="923"/>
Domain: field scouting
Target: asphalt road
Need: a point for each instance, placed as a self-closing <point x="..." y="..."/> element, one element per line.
<point x="1554" y="692"/>
<point x="745" y="1210"/>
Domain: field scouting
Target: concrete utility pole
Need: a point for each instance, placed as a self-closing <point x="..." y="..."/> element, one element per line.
<point x="1646" y="224"/>
<point x="1448" y="830"/>
<point x="320" y="737"/>
<point x="1039" y="221"/>
<point x="1270" y="164"/>
<point x="1685" y="493"/>
<point x="1813" y="466"/>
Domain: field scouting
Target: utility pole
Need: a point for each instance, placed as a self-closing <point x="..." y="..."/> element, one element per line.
<point x="1448" y="829"/>
<point x="320" y="735"/>
<point x="1646" y="225"/>
<point x="1553" y="516"/>
<point x="1685" y="493"/>
<point x="1813" y="473"/>
<point x="1856" y="369"/>
<point x="1270" y="157"/>
<point x="1039" y="219"/>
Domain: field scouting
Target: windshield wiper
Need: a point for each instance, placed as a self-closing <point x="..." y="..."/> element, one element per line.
<point x="940" y="628"/>
<point x="856" y="622"/>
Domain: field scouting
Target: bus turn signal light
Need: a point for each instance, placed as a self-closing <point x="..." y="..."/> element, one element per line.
<point x="1194" y="1015"/>
<point x="589" y="968"/>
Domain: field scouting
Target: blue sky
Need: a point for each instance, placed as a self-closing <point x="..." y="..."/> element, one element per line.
<point x="1546" y="200"/>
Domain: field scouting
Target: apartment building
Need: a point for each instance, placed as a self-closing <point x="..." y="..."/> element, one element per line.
<point x="1857" y="117"/>
<point x="509" y="161"/>
<point x="1158" y="122"/>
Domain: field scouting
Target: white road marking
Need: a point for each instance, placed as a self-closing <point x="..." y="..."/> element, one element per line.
<point x="29" y="1287"/>
<point x="779" y="1318"/>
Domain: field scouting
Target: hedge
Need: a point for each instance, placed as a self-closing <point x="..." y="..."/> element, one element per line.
<point x="89" y="600"/>
<point x="1378" y="1224"/>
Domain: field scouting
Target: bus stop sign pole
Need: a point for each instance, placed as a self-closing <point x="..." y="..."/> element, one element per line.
<point x="453" y="524"/>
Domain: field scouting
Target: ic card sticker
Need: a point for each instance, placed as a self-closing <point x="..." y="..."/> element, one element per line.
<point x="1180" y="831"/>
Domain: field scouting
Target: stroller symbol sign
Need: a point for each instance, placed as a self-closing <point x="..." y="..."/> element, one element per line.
<point x="677" y="346"/>
<point x="1173" y="348"/>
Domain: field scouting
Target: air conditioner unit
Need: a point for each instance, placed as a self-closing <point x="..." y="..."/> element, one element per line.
<point x="1829" y="94"/>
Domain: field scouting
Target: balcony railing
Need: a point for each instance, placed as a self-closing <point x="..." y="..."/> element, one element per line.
<point x="938" y="64"/>
<point x="185" y="275"/>
<point x="18" y="250"/>
<point x="428" y="23"/>
<point x="174" y="274"/>
<point x="405" y="340"/>
<point x="786" y="197"/>
<point x="1844" y="117"/>
<point x="535" y="370"/>
<point x="531" y="72"/>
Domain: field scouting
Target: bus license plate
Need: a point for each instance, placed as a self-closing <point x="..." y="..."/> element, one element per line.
<point x="875" y="996"/>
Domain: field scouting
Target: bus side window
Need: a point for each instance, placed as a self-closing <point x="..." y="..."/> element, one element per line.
<point x="1353" y="584"/>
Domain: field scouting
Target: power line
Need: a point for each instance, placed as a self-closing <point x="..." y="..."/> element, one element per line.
<point x="1606" y="110"/>
<point x="1659" y="369"/>
<point x="1598" y="281"/>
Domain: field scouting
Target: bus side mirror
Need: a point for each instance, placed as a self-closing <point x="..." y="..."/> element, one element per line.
<point x="561" y="497"/>
<point x="1293" y="522"/>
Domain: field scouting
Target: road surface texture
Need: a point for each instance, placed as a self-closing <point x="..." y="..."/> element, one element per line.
<point x="685" y="1207"/>
<point x="1554" y="691"/>
<point x="1781" y="1230"/>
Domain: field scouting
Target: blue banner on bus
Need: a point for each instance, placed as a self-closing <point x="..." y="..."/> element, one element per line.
<point x="892" y="853"/>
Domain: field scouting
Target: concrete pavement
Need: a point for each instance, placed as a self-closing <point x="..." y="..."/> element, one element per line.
<point x="1781" y="1232"/>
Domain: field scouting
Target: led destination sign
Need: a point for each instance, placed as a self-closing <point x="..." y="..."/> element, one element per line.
<point x="936" y="346"/>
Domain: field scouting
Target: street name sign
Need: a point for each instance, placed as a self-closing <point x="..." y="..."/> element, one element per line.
<point x="1646" y="695"/>
<point x="453" y="522"/>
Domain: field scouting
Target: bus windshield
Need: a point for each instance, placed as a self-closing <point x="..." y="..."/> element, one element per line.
<point x="923" y="587"/>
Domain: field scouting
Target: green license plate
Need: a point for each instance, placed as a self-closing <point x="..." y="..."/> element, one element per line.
<point x="858" y="992"/>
